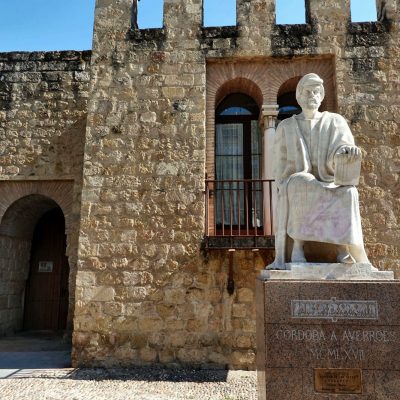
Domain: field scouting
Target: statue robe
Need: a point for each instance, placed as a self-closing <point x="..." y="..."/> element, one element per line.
<point x="310" y="206"/>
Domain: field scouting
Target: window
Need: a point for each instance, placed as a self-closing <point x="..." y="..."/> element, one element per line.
<point x="288" y="105"/>
<point x="149" y="13"/>
<point x="219" y="13"/>
<point x="363" y="10"/>
<point x="290" y="12"/>
<point x="238" y="156"/>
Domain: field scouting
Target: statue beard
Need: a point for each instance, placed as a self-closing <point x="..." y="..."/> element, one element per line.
<point x="310" y="106"/>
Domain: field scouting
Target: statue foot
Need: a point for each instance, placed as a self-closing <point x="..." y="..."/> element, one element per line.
<point x="353" y="254"/>
<point x="359" y="254"/>
<point x="298" y="256"/>
<point x="275" y="267"/>
<point x="345" y="258"/>
<point x="298" y="252"/>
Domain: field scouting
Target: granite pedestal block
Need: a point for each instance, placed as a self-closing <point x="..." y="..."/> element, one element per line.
<point x="327" y="336"/>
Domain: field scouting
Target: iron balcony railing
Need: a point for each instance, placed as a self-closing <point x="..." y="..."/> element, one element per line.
<point x="239" y="208"/>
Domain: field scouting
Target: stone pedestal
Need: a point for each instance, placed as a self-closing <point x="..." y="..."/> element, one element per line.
<point x="328" y="330"/>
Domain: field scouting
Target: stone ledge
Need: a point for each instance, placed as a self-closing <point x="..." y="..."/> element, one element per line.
<point x="239" y="242"/>
<point x="219" y="32"/>
<point x="62" y="55"/>
<point x="328" y="272"/>
<point x="143" y="36"/>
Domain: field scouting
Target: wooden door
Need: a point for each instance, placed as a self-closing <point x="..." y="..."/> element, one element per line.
<point x="46" y="297"/>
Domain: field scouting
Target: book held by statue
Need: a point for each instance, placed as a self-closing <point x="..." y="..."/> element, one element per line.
<point x="347" y="171"/>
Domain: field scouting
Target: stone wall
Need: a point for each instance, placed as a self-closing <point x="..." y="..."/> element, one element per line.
<point x="43" y="108"/>
<point x="43" y="103"/>
<point x="370" y="101"/>
<point x="14" y="269"/>
<point x="145" y="291"/>
<point x="141" y="279"/>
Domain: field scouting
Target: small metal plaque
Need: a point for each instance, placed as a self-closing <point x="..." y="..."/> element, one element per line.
<point x="337" y="380"/>
<point x="45" y="266"/>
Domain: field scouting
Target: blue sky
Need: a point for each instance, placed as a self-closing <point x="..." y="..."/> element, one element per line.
<point x="68" y="24"/>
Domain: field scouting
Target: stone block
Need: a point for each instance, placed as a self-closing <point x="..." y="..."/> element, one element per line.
<point x="320" y="337"/>
<point x="99" y="293"/>
<point x="175" y="296"/>
<point x="86" y="278"/>
<point x="150" y="324"/>
<point x="245" y="295"/>
<point x="239" y="310"/>
<point x="238" y="358"/>
<point x="113" y="308"/>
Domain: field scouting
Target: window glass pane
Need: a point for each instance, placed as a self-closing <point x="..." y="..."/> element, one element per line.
<point x="236" y="111"/>
<point x="238" y="104"/>
<point x="290" y="12"/>
<point x="289" y="109"/>
<point x="363" y="10"/>
<point x="257" y="206"/>
<point x="229" y="167"/>
<point x="230" y="204"/>
<point x="255" y="167"/>
<point x="255" y="138"/>
<point x="219" y="12"/>
<point x="229" y="140"/>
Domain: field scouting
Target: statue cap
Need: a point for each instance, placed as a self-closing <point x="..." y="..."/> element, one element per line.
<point x="310" y="79"/>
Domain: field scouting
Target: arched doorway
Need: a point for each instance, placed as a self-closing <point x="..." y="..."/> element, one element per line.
<point x="46" y="295"/>
<point x="33" y="266"/>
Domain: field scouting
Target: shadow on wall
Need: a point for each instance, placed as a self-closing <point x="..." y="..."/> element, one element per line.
<point x="60" y="155"/>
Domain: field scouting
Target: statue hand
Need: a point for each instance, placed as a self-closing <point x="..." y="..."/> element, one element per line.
<point x="352" y="152"/>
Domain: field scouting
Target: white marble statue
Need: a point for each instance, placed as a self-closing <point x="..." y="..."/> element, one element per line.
<point x="311" y="205"/>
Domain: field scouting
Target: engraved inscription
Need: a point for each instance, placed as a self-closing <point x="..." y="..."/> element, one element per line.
<point x="338" y="354"/>
<point x="338" y="380"/>
<point x="335" y="309"/>
<point x="337" y="344"/>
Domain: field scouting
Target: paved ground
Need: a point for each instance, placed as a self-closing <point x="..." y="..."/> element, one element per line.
<point x="39" y="350"/>
<point x="40" y="374"/>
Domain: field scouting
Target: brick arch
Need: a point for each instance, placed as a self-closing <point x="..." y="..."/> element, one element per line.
<point x="218" y="87"/>
<point x="21" y="217"/>
<point x="282" y="76"/>
<point x="50" y="192"/>
<point x="239" y="85"/>
<point x="288" y="86"/>
<point x="261" y="79"/>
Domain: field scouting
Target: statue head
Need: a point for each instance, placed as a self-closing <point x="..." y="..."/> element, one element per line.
<point x="310" y="92"/>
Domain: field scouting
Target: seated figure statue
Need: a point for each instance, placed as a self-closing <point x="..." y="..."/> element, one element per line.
<point x="311" y="205"/>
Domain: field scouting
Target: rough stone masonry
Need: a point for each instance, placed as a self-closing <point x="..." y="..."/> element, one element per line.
<point x="122" y="139"/>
